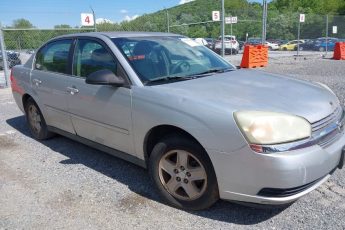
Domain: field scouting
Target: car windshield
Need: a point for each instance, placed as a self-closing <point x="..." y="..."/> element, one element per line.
<point x="170" y="58"/>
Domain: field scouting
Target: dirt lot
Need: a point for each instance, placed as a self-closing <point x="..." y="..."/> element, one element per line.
<point x="61" y="184"/>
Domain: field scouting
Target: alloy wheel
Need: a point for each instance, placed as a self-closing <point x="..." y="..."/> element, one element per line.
<point x="182" y="175"/>
<point x="34" y="118"/>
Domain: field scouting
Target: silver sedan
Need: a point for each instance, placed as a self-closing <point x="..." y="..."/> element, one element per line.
<point x="203" y="129"/>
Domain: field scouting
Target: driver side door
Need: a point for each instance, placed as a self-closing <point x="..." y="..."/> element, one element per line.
<point x="100" y="113"/>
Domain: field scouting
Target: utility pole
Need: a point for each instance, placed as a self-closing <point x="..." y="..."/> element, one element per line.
<point x="264" y="21"/>
<point x="298" y="36"/>
<point x="168" y="21"/>
<point x="231" y="35"/>
<point x="326" y="34"/>
<point x="4" y="57"/>
<point x="94" y="19"/>
<point x="223" y="28"/>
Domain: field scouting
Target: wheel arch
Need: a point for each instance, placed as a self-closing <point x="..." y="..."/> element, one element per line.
<point x="25" y="98"/>
<point x="158" y="132"/>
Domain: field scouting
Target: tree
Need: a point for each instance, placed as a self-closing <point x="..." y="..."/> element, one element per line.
<point x="22" y="24"/>
<point x="62" y="26"/>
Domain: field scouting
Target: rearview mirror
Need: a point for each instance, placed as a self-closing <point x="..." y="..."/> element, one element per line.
<point x="104" y="77"/>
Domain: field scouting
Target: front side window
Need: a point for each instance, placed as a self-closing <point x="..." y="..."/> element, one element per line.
<point x="91" y="56"/>
<point x="154" y="58"/>
<point x="54" y="57"/>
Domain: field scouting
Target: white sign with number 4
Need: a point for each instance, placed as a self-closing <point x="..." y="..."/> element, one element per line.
<point x="87" y="19"/>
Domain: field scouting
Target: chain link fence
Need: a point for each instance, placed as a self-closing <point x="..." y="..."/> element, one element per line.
<point x="249" y="22"/>
<point x="318" y="33"/>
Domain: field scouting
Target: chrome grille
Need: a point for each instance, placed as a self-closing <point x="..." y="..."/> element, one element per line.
<point x="328" y="129"/>
<point x="333" y="117"/>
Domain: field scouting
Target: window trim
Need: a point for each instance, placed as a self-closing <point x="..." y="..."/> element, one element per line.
<point x="128" y="82"/>
<point x="68" y="60"/>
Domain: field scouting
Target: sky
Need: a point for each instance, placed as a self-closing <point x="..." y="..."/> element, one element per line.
<point x="47" y="13"/>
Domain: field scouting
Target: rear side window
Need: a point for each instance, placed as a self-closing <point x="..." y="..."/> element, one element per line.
<point x="54" y="57"/>
<point x="91" y="56"/>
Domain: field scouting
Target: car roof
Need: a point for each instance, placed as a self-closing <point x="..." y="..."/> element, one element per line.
<point x="118" y="34"/>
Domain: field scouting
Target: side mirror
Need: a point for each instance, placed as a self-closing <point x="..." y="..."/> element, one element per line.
<point x="104" y="77"/>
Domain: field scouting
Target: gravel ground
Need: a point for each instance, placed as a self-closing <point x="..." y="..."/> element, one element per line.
<point x="61" y="184"/>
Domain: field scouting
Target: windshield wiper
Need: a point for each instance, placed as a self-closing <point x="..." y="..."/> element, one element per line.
<point x="210" y="71"/>
<point x="167" y="79"/>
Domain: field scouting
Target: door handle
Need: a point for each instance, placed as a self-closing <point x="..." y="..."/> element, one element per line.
<point x="37" y="82"/>
<point x="72" y="90"/>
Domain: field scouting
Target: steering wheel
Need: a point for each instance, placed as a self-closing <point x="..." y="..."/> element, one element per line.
<point x="184" y="66"/>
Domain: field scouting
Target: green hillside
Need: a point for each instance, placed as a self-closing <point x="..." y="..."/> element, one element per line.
<point x="194" y="12"/>
<point x="282" y="21"/>
<point x="282" y="18"/>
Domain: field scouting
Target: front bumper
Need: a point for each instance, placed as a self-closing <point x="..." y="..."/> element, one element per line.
<point x="243" y="175"/>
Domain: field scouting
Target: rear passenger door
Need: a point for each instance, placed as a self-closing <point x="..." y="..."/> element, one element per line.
<point x="100" y="113"/>
<point x="49" y="79"/>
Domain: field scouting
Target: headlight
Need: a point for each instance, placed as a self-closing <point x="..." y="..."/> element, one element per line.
<point x="267" y="128"/>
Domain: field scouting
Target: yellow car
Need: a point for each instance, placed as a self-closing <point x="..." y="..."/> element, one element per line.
<point x="291" y="45"/>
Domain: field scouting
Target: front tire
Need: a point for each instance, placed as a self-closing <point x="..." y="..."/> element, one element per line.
<point x="183" y="173"/>
<point x="36" y="121"/>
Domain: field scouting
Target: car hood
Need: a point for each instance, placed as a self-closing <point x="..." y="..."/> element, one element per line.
<point x="256" y="90"/>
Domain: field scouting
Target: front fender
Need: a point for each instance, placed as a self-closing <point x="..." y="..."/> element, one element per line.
<point x="213" y="127"/>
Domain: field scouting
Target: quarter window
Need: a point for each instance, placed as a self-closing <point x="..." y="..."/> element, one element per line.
<point x="54" y="57"/>
<point x="90" y="56"/>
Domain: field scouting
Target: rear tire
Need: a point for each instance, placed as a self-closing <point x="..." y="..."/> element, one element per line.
<point x="285" y="49"/>
<point x="36" y="121"/>
<point x="183" y="174"/>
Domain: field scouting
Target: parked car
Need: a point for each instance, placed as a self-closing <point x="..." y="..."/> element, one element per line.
<point x="30" y="51"/>
<point x="241" y="44"/>
<point x="258" y="41"/>
<point x="201" y="41"/>
<point x="323" y="44"/>
<point x="254" y="41"/>
<point x="12" y="59"/>
<point x="308" y="45"/>
<point x="282" y="42"/>
<point x="230" y="43"/>
<point x="203" y="129"/>
<point x="276" y="41"/>
<point x="291" y="45"/>
<point x="210" y="43"/>
<point x="272" y="46"/>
